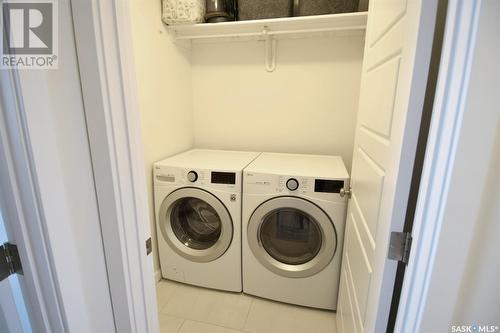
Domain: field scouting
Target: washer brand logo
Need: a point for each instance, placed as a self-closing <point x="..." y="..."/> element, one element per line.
<point x="29" y="34"/>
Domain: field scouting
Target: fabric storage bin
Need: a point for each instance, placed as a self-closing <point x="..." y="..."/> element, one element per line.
<point x="263" y="9"/>
<point x="322" y="7"/>
<point x="183" y="11"/>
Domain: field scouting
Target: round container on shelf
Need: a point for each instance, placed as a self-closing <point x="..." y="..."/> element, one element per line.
<point x="183" y="11"/>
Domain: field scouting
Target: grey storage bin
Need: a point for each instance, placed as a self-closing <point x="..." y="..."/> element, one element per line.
<point x="264" y="9"/>
<point x="322" y="7"/>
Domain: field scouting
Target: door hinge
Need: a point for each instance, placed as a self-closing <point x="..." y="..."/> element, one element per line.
<point x="10" y="263"/>
<point x="149" y="246"/>
<point x="399" y="246"/>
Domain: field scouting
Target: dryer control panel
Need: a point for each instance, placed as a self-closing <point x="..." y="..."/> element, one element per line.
<point x="327" y="189"/>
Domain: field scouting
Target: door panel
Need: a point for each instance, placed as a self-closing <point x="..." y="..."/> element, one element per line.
<point x="375" y="144"/>
<point x="366" y="236"/>
<point x="356" y="316"/>
<point x="368" y="180"/>
<point x="385" y="15"/>
<point x="360" y="269"/>
<point x="345" y="308"/>
<point x="378" y="102"/>
<point x="393" y="81"/>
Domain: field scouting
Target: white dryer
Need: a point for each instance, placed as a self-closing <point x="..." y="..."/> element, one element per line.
<point x="198" y="217"/>
<point x="293" y="228"/>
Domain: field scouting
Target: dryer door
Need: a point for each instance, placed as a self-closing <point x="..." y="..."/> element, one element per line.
<point x="196" y="224"/>
<point x="292" y="236"/>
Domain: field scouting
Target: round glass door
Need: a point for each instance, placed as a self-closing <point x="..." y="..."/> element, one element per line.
<point x="196" y="224"/>
<point x="291" y="236"/>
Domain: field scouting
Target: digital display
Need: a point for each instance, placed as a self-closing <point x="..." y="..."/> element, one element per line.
<point x="223" y="178"/>
<point x="328" y="186"/>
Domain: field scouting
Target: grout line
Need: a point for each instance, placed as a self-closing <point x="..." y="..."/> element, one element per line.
<point x="180" y="327"/>
<point x="212" y="324"/>
<point x="248" y="312"/>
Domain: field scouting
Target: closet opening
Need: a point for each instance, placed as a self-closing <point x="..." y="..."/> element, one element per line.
<point x="279" y="152"/>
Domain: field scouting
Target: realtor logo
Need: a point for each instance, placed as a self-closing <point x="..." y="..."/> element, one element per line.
<point x="29" y="30"/>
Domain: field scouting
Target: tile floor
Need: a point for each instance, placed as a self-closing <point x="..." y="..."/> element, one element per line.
<point x="187" y="309"/>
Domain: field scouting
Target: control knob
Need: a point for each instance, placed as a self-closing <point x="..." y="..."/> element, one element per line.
<point x="192" y="176"/>
<point x="292" y="184"/>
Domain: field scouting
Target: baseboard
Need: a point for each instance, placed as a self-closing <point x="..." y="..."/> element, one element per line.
<point x="158" y="275"/>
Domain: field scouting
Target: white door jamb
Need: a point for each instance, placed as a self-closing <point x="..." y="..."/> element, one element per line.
<point x="451" y="91"/>
<point x="104" y="48"/>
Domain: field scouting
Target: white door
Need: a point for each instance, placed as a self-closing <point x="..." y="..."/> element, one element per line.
<point x="13" y="314"/>
<point x="397" y="53"/>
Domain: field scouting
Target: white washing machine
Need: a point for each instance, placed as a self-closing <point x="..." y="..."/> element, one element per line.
<point x="198" y="217"/>
<point x="293" y="228"/>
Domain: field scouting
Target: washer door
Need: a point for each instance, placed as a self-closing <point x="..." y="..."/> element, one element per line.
<point x="196" y="224"/>
<point x="292" y="236"/>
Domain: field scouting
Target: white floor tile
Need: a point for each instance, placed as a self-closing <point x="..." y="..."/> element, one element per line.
<point x="274" y="317"/>
<point x="186" y="308"/>
<point x="169" y="324"/>
<point x="311" y="320"/>
<point x="190" y="326"/>
<point x="270" y="317"/>
<point x="222" y="308"/>
<point x="182" y="301"/>
<point x="164" y="291"/>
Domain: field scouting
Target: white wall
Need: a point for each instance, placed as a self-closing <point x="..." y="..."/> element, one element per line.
<point x="479" y="300"/>
<point x="163" y="74"/>
<point x="479" y="296"/>
<point x="308" y="105"/>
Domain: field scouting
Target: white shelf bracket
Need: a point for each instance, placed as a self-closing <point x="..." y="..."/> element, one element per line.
<point x="270" y="53"/>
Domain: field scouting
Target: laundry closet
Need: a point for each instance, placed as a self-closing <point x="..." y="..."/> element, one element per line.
<point x="283" y="86"/>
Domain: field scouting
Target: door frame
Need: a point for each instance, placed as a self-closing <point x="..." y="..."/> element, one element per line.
<point x="111" y="22"/>
<point x="103" y="38"/>
<point x="105" y="58"/>
<point x="439" y="163"/>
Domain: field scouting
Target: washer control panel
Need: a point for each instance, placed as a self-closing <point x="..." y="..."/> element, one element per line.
<point x="164" y="175"/>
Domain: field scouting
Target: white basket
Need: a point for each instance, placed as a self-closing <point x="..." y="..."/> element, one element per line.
<point x="183" y="11"/>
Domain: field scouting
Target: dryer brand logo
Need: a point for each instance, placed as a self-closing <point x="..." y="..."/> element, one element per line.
<point x="29" y="36"/>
